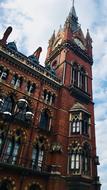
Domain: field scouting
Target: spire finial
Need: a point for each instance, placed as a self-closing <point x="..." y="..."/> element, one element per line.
<point x="73" y="1"/>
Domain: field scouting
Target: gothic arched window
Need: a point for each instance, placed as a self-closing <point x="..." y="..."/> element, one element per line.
<point x="12" y="152"/>
<point x="83" y="79"/>
<point x="13" y="147"/>
<point x="85" y="124"/>
<point x="74" y="164"/>
<point x="30" y="87"/>
<point x="5" y="185"/>
<point x="17" y="81"/>
<point x="86" y="159"/>
<point x="45" y="120"/>
<point x="75" y="126"/>
<point x="38" y="155"/>
<point x="8" y="104"/>
<point x="75" y="74"/>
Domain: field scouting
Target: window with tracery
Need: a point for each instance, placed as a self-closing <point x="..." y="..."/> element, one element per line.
<point x="79" y="77"/>
<point x="75" y="126"/>
<point x="80" y="158"/>
<point x="79" y="122"/>
<point x="75" y="159"/>
<point x="13" y="147"/>
<point x="86" y="158"/>
<point x="38" y="155"/>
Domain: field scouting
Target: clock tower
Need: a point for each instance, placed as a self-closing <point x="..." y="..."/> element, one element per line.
<point x="69" y="54"/>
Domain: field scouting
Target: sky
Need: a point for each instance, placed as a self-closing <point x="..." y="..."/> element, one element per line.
<point x="33" y="23"/>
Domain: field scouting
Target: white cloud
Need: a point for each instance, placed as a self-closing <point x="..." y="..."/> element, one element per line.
<point x="33" y="23"/>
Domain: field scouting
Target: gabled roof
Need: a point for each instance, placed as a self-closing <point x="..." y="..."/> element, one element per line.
<point x="77" y="107"/>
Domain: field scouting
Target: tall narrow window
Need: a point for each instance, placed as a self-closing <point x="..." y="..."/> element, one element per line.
<point x="8" y="104"/>
<point x="85" y="124"/>
<point x="30" y="88"/>
<point x="86" y="159"/>
<point x="17" y="81"/>
<point x="75" y="74"/>
<point x="1" y="143"/>
<point x="82" y="79"/>
<point x="75" y="162"/>
<point x="37" y="157"/>
<point x="75" y="126"/>
<point x="14" y="79"/>
<point x="45" y="120"/>
<point x="12" y="151"/>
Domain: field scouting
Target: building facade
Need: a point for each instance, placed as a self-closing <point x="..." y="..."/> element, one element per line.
<point x="47" y="128"/>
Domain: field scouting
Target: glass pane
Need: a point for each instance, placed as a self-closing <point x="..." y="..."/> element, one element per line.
<point x="40" y="158"/>
<point x="15" y="152"/>
<point x="34" y="154"/>
<point x="73" y="161"/>
<point x="74" y="127"/>
<point x="86" y="164"/>
<point x="78" y="126"/>
<point x="77" y="161"/>
<point x="9" y="148"/>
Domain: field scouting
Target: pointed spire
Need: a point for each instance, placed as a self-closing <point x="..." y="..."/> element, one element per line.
<point x="72" y="11"/>
<point x="88" y="35"/>
<point x="89" y="43"/>
<point x="60" y="29"/>
<point x="51" y="41"/>
<point x="72" y="19"/>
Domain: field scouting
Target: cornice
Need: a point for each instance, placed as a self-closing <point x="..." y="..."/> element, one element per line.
<point x="24" y="64"/>
<point x="73" y="47"/>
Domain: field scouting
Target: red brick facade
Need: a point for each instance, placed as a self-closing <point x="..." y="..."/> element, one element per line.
<point x="47" y="128"/>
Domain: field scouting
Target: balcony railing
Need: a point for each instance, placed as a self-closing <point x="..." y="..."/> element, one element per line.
<point x="14" y="162"/>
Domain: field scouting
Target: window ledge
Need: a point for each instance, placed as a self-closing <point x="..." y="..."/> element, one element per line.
<point x="79" y="93"/>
